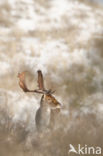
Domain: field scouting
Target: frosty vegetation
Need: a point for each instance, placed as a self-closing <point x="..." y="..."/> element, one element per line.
<point x="63" y="38"/>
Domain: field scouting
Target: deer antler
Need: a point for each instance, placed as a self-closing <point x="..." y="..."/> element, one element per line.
<point x="22" y="82"/>
<point x="40" y="80"/>
<point x="41" y="83"/>
<point x="41" y="89"/>
<point x="23" y="86"/>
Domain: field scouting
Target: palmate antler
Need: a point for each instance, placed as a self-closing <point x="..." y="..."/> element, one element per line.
<point x="40" y="80"/>
<point x="22" y="82"/>
<point x="41" y="84"/>
<point x="41" y="89"/>
<point x="23" y="86"/>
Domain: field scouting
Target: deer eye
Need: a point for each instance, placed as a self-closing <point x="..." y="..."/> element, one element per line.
<point x="49" y="99"/>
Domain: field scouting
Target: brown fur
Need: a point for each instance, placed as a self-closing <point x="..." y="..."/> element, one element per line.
<point x="52" y="101"/>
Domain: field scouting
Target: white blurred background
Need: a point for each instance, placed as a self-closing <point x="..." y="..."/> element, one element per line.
<point x="63" y="38"/>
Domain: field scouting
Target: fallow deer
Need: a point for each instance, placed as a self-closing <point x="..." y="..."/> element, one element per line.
<point x="45" y="115"/>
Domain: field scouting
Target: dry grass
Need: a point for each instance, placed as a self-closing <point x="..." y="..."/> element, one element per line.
<point x="92" y="3"/>
<point x="43" y="3"/>
<point x="98" y="43"/>
<point x="4" y="12"/>
<point x="16" y="139"/>
<point x="22" y="142"/>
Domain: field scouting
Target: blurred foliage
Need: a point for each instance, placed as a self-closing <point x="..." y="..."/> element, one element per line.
<point x="18" y="141"/>
<point x="5" y="9"/>
<point x="76" y="83"/>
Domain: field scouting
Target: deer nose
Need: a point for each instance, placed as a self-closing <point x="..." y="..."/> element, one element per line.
<point x="58" y="106"/>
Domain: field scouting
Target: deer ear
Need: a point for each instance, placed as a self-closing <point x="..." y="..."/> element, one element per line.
<point x="41" y="100"/>
<point x="42" y="97"/>
<point x="40" y="80"/>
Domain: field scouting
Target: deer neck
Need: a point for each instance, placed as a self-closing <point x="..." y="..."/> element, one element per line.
<point x="43" y="103"/>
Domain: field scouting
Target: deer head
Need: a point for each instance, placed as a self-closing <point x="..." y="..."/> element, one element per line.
<point x="48" y="97"/>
